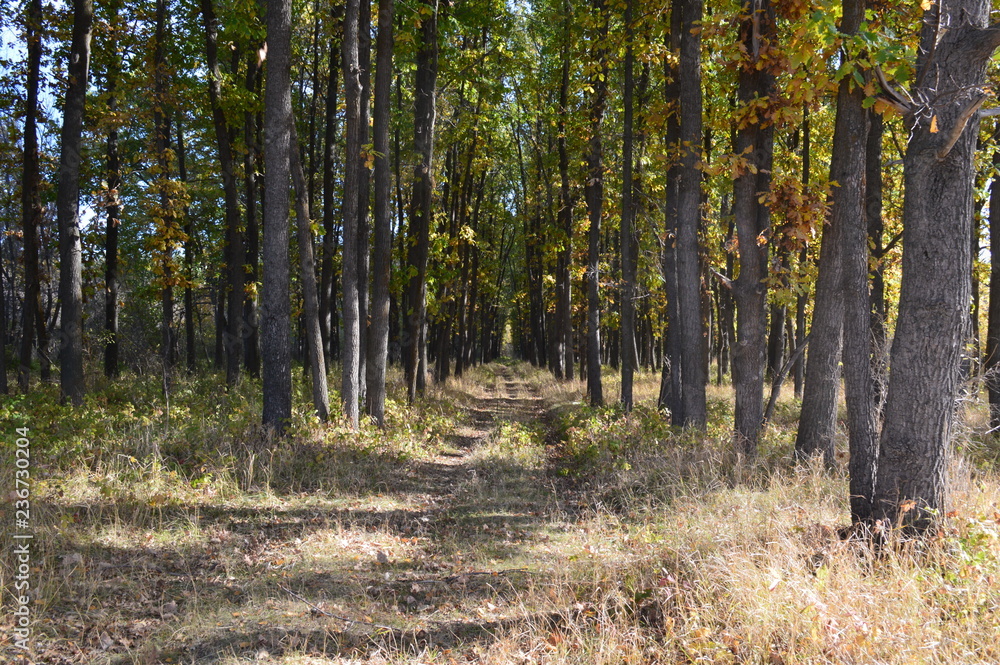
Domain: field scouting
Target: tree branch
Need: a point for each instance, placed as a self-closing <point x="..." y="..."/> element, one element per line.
<point x="898" y="99"/>
<point x="725" y="281"/>
<point x="960" y="125"/>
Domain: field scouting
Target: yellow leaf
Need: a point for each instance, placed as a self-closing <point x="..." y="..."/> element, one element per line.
<point x="925" y="5"/>
<point x="934" y="125"/>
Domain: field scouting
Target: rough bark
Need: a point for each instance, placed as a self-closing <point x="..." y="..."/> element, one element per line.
<point x="251" y="331"/>
<point x="628" y="241"/>
<point x="594" y="191"/>
<point x="934" y="294"/>
<point x="276" y="365"/>
<point x="189" y="341"/>
<point x="331" y="238"/>
<point x="993" y="320"/>
<point x="310" y="292"/>
<point x="31" y="203"/>
<point x="234" y="252"/>
<point x="414" y="340"/>
<point x="378" y="340"/>
<point x="694" y="371"/>
<point x="752" y="219"/>
<point x="564" y="303"/>
<point x="364" y="193"/>
<point x="848" y="168"/>
<point x="68" y="207"/>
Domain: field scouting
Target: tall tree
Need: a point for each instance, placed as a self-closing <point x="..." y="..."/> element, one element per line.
<point x="31" y="202"/>
<point x="424" y="112"/>
<point x="993" y="322"/>
<point x="628" y="243"/>
<point x="694" y="371"/>
<point x="378" y="339"/>
<point x="310" y="292"/>
<point x="594" y="190"/>
<point x="276" y="357"/>
<point x="351" y="358"/>
<point x="848" y="169"/>
<point x="234" y="254"/>
<point x="112" y="206"/>
<point x="564" y="305"/>
<point x="955" y="47"/>
<point x="68" y="207"/>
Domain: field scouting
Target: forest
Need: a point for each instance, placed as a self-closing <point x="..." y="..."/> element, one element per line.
<point x="445" y="331"/>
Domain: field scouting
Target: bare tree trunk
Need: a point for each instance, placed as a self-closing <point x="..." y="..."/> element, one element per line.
<point x="31" y="203"/>
<point x="251" y="323"/>
<point x="310" y="294"/>
<point x="594" y="189"/>
<point x="276" y="358"/>
<point x="234" y="254"/>
<point x="848" y="168"/>
<point x="378" y="341"/>
<point x="694" y="371"/>
<point x="328" y="289"/>
<point x="113" y="209"/>
<point x="628" y="241"/>
<point x="993" y="322"/>
<point x="189" y="341"/>
<point x="68" y="207"/>
<point x="414" y="343"/>
<point x="353" y="166"/>
<point x="934" y="295"/>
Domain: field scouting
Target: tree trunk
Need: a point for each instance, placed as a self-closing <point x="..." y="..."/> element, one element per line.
<point x="276" y="365"/>
<point x="934" y="293"/>
<point x="694" y="371"/>
<point x="68" y="207"/>
<point x="670" y="381"/>
<point x="993" y="322"/>
<point x="234" y="254"/>
<point x="628" y="241"/>
<point x="166" y="215"/>
<point x="352" y="184"/>
<point x="848" y="168"/>
<point x="364" y="193"/>
<point x="378" y="340"/>
<point x="113" y="209"/>
<point x="594" y="190"/>
<point x="251" y="332"/>
<point x="564" y="303"/>
<point x="752" y="219"/>
<point x="310" y="294"/>
<point x="328" y="279"/>
<point x="189" y="341"/>
<point x="31" y="203"/>
<point x="414" y="351"/>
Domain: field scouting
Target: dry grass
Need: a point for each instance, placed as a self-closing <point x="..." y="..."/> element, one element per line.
<point x="502" y="522"/>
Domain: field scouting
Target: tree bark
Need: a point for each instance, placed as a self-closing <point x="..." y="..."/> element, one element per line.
<point x="564" y="304"/>
<point x="993" y="322"/>
<point x="234" y="254"/>
<point x="328" y="279"/>
<point x="694" y="371"/>
<point x="189" y="341"/>
<point x="848" y="169"/>
<point x="310" y="292"/>
<point x="628" y="240"/>
<point x="31" y="203"/>
<point x="934" y="294"/>
<point x="276" y="366"/>
<point x="378" y="341"/>
<point x="594" y="190"/>
<point x="251" y="332"/>
<point x="68" y="207"/>
<point x="350" y="377"/>
<point x="414" y="351"/>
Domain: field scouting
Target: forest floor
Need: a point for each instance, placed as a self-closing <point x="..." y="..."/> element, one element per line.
<point x="504" y="522"/>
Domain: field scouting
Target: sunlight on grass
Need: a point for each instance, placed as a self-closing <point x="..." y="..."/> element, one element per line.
<point x="500" y="521"/>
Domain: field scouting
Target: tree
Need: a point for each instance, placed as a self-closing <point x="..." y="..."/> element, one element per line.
<point x="31" y="203"/>
<point x="628" y="244"/>
<point x="955" y="46"/>
<point x="276" y="357"/>
<point x="594" y="191"/>
<point x="350" y="372"/>
<point x="234" y="254"/>
<point x="848" y="170"/>
<point x="418" y="233"/>
<point x="68" y="207"/>
<point x="310" y="292"/>
<point x="378" y="340"/>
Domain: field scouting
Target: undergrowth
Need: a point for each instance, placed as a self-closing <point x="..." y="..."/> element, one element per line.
<point x="499" y="520"/>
